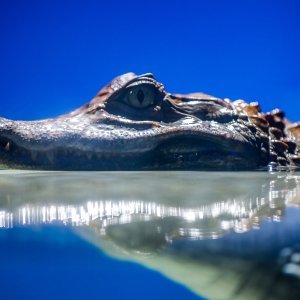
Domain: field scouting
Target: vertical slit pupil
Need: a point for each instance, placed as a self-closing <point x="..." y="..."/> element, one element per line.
<point x="140" y="96"/>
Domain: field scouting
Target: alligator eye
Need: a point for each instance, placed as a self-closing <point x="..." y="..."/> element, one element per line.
<point x="141" y="96"/>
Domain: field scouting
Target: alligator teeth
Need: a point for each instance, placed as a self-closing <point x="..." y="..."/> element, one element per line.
<point x="7" y="147"/>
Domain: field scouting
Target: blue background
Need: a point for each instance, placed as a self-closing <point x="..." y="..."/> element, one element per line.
<point x="55" y="55"/>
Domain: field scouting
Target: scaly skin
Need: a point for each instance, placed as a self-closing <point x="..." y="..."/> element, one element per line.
<point x="133" y="124"/>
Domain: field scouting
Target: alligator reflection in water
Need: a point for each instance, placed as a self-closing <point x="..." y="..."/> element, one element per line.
<point x="189" y="230"/>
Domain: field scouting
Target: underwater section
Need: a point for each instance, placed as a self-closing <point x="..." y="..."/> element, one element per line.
<point x="219" y="235"/>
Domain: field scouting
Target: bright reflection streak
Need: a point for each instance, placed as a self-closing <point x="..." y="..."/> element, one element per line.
<point x="210" y="220"/>
<point x="238" y="215"/>
<point x="83" y="214"/>
<point x="6" y="219"/>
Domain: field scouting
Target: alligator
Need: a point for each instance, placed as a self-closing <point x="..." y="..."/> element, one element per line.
<point x="134" y="124"/>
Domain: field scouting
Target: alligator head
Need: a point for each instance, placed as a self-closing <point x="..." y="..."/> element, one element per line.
<point x="133" y="124"/>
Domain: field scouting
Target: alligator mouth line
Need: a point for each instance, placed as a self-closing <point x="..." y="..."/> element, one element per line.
<point x="172" y="154"/>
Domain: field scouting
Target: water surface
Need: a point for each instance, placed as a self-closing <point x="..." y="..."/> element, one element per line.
<point x="215" y="235"/>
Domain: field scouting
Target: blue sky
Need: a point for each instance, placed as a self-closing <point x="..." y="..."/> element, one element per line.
<point x="55" y="55"/>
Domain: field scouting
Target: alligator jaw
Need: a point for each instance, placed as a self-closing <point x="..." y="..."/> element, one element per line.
<point x="85" y="145"/>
